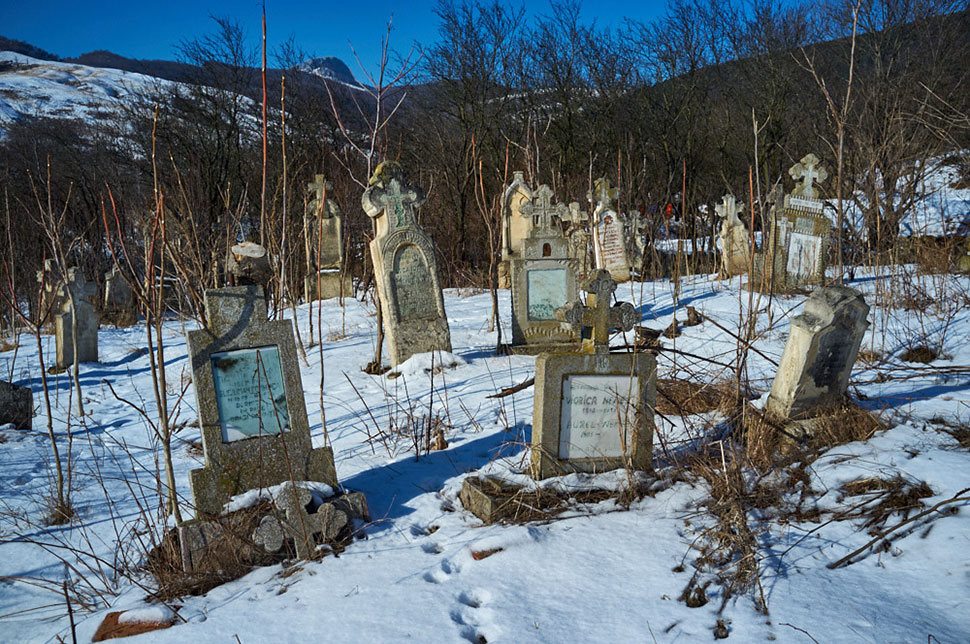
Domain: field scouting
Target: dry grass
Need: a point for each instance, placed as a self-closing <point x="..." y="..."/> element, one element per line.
<point x="889" y="496"/>
<point x="686" y="398"/>
<point x="921" y="354"/>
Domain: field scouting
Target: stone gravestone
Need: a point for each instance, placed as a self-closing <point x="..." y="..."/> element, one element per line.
<point x="119" y="303"/>
<point x="610" y="239"/>
<point x="249" y="393"/>
<point x="515" y="226"/>
<point x="408" y="282"/>
<point x="734" y="237"/>
<point x="248" y="264"/>
<point x="822" y="347"/>
<point x="580" y="239"/>
<point x="16" y="405"/>
<point x="543" y="279"/>
<point x="324" y="224"/>
<point x="800" y="232"/>
<point x="87" y="322"/>
<point x="593" y="409"/>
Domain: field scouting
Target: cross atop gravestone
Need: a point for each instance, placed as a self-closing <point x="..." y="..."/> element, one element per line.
<point x="315" y="205"/>
<point x="728" y="209"/>
<point x="806" y="173"/>
<point x="602" y="194"/>
<point x="597" y="314"/>
<point x="541" y="208"/>
<point x="391" y="191"/>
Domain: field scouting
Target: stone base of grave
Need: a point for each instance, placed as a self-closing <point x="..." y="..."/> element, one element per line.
<point x="262" y="466"/>
<point x="536" y="349"/>
<point x="202" y="542"/>
<point x="16" y="405"/>
<point x="489" y="499"/>
<point x="331" y="285"/>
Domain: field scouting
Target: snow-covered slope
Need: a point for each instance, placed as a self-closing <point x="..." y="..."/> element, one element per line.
<point x="31" y="88"/>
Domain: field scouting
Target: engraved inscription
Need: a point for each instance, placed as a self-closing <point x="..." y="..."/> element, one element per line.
<point x="545" y="292"/>
<point x="803" y="255"/>
<point x="805" y="225"/>
<point x="250" y="394"/>
<point x="611" y="242"/>
<point x="412" y="284"/>
<point x="597" y="416"/>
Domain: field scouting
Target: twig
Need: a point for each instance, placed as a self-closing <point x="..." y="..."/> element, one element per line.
<point x="508" y="391"/>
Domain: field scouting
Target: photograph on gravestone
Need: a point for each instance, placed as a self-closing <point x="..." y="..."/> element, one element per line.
<point x="250" y="393"/>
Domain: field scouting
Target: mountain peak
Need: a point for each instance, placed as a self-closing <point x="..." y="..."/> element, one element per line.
<point x="329" y="67"/>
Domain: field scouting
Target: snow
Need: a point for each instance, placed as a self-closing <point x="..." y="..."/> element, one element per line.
<point x="158" y="614"/>
<point x="598" y="572"/>
<point x="250" y="498"/>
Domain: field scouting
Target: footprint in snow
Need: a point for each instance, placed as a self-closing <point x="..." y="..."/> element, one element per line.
<point x="468" y="615"/>
<point x="445" y="570"/>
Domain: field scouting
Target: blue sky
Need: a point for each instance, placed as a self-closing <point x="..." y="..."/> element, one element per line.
<point x="139" y="29"/>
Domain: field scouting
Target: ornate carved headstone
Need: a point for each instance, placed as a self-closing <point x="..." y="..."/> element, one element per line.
<point x="250" y="401"/>
<point x="610" y="239"/>
<point x="593" y="409"/>
<point x="822" y="347"/>
<point x="408" y="282"/>
<point x="543" y="279"/>
<point x="734" y="237"/>
<point x="515" y="225"/>
<point x="800" y="231"/>
<point x="324" y="226"/>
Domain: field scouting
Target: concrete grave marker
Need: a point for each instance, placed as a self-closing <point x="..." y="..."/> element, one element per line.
<point x="822" y="347"/>
<point x="87" y="334"/>
<point x="593" y="409"/>
<point x="580" y="239"/>
<point x="324" y="226"/>
<point x="516" y="226"/>
<point x="799" y="229"/>
<point x="543" y="279"/>
<point x="249" y="393"/>
<point x="610" y="238"/>
<point x="408" y="282"/>
<point x="734" y="237"/>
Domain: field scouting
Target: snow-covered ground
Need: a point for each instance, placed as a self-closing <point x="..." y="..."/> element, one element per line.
<point x="597" y="573"/>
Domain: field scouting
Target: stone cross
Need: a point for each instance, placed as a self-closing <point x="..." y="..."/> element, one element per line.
<point x="398" y="198"/>
<point x="541" y="207"/>
<point x="298" y="524"/>
<point x="805" y="173"/>
<point x="602" y="194"/>
<point x="728" y="210"/>
<point x="315" y="205"/>
<point x="597" y="313"/>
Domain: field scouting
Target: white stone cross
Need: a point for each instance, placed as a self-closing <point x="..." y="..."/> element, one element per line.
<point x="806" y="173"/>
<point x="728" y="210"/>
<point x="541" y="207"/>
<point x="602" y="194"/>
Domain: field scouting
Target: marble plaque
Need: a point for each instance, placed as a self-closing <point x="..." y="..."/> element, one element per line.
<point x="803" y="255"/>
<point x="413" y="289"/>
<point x="596" y="412"/>
<point x="611" y="242"/>
<point x="250" y="393"/>
<point x="546" y="291"/>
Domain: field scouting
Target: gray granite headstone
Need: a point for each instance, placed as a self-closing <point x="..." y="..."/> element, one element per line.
<point x="249" y="393"/>
<point x="408" y="281"/>
<point x="822" y="347"/>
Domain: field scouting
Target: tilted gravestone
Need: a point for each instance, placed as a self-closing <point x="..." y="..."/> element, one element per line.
<point x="324" y="239"/>
<point x="543" y="279"/>
<point x="822" y="347"/>
<point x="593" y="409"/>
<point x="734" y="237"/>
<point x="610" y="239"/>
<point x="16" y="405"/>
<point x="408" y="281"/>
<point x="249" y="393"/>
<point x="515" y="225"/>
<point x="580" y="239"/>
<point x="800" y="231"/>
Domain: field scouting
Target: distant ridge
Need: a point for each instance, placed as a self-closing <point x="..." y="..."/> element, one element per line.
<point x="21" y="47"/>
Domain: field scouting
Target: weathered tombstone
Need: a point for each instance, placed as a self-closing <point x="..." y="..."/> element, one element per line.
<point x="324" y="226"/>
<point x="248" y="264"/>
<point x="593" y="409"/>
<point x="249" y="394"/>
<point x="87" y="334"/>
<point x="515" y="225"/>
<point x="16" y="405"/>
<point x="734" y="237"/>
<point x="610" y="237"/>
<point x="543" y="279"/>
<point x="800" y="231"/>
<point x="407" y="276"/>
<point x="580" y="239"/>
<point x="822" y="347"/>
<point x="119" y="303"/>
